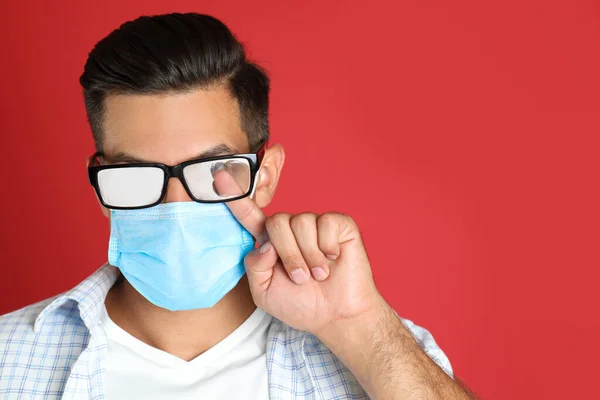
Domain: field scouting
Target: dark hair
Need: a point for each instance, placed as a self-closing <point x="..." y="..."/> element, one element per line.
<point x="173" y="53"/>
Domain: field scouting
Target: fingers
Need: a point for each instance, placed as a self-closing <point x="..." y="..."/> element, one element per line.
<point x="330" y="227"/>
<point x="302" y="242"/>
<point x="260" y="264"/>
<point x="296" y="240"/>
<point x="225" y="183"/>
<point x="284" y="241"/>
<point x="245" y="210"/>
<point x="240" y="171"/>
<point x="304" y="227"/>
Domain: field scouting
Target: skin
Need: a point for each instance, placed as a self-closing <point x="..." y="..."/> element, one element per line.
<point x="311" y="271"/>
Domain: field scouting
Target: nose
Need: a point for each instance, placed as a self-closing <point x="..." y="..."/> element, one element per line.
<point x="176" y="192"/>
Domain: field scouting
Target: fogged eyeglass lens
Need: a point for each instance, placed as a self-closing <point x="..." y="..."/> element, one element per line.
<point x="130" y="187"/>
<point x="200" y="178"/>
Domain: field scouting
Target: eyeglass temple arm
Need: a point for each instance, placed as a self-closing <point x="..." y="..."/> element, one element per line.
<point x="259" y="157"/>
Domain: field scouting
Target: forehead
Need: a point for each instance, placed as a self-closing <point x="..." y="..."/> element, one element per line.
<point x="171" y="128"/>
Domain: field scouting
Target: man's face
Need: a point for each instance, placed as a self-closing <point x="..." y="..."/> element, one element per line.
<point x="172" y="128"/>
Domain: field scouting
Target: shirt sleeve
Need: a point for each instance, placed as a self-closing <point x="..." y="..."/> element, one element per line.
<point x="429" y="346"/>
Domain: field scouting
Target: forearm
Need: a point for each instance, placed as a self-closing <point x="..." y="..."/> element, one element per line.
<point x="387" y="361"/>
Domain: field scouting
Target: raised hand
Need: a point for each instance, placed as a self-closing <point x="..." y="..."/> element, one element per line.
<point x="311" y="271"/>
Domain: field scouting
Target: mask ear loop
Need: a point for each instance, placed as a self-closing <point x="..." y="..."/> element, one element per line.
<point x="256" y="178"/>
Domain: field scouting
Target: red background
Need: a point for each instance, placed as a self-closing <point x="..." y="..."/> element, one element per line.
<point x="460" y="135"/>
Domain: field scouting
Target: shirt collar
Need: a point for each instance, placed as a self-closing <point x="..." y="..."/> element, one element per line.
<point x="89" y="296"/>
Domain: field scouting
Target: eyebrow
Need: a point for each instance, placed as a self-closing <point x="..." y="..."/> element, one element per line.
<point x="124" y="157"/>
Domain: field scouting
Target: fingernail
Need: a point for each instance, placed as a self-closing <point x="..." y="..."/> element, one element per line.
<point x="265" y="247"/>
<point x="332" y="256"/>
<point x="299" y="276"/>
<point x="319" y="273"/>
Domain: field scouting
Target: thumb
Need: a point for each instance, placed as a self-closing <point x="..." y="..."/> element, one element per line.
<point x="260" y="264"/>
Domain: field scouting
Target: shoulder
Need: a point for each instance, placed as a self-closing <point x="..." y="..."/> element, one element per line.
<point x="19" y="324"/>
<point x="23" y="315"/>
<point x="58" y="313"/>
<point x="36" y="354"/>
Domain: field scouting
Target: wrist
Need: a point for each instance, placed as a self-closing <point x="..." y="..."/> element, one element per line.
<point x="355" y="331"/>
<point x="363" y="343"/>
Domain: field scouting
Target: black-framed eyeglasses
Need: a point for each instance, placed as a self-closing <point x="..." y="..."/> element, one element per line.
<point x="143" y="185"/>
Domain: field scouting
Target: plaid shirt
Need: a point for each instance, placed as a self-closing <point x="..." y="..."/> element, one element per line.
<point x="57" y="349"/>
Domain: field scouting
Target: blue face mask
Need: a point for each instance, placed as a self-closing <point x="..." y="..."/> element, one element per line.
<point x="179" y="256"/>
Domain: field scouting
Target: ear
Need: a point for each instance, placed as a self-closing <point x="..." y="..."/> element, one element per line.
<point x="104" y="210"/>
<point x="268" y="176"/>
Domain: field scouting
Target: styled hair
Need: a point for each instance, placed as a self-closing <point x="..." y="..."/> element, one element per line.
<point x="175" y="53"/>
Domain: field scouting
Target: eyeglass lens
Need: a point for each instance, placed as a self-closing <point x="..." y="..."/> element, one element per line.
<point x="143" y="185"/>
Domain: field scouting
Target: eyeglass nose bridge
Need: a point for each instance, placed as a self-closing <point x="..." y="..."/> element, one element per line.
<point x="175" y="172"/>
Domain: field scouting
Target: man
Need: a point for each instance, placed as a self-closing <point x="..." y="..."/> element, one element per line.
<point x="187" y="306"/>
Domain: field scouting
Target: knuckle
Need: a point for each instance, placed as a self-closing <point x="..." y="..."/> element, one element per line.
<point x="329" y="219"/>
<point x="336" y="219"/>
<point x="302" y="221"/>
<point x="349" y="220"/>
<point x="277" y="221"/>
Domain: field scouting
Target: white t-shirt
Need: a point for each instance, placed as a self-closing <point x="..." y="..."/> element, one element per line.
<point x="235" y="368"/>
